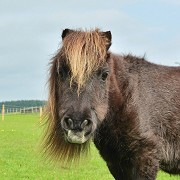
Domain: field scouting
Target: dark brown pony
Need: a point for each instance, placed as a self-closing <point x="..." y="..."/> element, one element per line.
<point x="129" y="107"/>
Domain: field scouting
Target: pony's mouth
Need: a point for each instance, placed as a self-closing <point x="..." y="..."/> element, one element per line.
<point x="77" y="137"/>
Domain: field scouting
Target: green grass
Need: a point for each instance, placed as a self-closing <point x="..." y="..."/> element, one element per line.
<point x="19" y="157"/>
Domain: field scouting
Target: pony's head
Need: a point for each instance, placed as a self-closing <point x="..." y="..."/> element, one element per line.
<point x="78" y="92"/>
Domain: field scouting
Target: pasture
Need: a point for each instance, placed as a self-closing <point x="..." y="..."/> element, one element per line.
<point x="20" y="157"/>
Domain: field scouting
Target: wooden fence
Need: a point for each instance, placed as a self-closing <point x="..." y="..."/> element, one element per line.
<point x="8" y="110"/>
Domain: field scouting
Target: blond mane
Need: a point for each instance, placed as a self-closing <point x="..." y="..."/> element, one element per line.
<point x="85" y="52"/>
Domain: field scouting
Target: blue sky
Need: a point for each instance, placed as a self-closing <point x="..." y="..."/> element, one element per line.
<point x="30" y="33"/>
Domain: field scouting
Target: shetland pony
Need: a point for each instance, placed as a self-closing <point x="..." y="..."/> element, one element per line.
<point x="128" y="106"/>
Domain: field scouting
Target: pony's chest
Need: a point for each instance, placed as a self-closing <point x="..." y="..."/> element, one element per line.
<point x="110" y="145"/>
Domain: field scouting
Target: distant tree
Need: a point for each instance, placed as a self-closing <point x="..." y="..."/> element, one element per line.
<point x="23" y="103"/>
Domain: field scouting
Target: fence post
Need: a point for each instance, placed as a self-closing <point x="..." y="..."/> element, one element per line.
<point x="40" y="112"/>
<point x="3" y="111"/>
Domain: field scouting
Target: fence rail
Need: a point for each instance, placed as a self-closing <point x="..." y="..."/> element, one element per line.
<point x="20" y="110"/>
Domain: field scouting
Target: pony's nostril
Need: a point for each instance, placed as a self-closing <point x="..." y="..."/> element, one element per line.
<point x="69" y="122"/>
<point x="85" y="123"/>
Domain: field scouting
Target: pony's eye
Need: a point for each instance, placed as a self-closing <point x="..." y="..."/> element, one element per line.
<point x="63" y="73"/>
<point x="104" y="75"/>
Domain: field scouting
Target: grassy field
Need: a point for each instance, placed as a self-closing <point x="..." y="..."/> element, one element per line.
<point x="20" y="159"/>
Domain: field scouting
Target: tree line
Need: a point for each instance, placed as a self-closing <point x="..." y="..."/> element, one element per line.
<point x="23" y="103"/>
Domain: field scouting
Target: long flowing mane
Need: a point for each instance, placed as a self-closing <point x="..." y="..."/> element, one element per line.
<point x="85" y="52"/>
<point x="54" y="146"/>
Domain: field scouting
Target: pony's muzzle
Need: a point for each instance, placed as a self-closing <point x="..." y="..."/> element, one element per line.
<point x="76" y="130"/>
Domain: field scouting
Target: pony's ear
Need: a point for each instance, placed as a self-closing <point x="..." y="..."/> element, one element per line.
<point x="66" y="32"/>
<point x="108" y="35"/>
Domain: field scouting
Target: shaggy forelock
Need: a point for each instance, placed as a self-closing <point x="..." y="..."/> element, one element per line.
<point x="85" y="52"/>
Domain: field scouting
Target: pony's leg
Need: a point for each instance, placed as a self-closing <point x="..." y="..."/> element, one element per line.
<point x="146" y="165"/>
<point x="117" y="171"/>
<point x="143" y="166"/>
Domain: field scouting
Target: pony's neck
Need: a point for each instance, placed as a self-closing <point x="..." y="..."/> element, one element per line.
<point x="119" y="81"/>
<point x="122" y="109"/>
